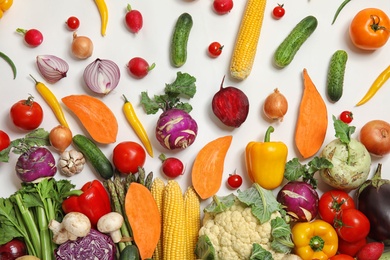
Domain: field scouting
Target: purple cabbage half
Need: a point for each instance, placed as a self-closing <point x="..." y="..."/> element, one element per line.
<point x="300" y="200"/>
<point x="176" y="129"/>
<point x="93" y="246"/>
<point x="35" y="164"/>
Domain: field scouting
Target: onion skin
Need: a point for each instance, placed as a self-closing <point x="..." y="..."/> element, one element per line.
<point x="52" y="68"/>
<point x="60" y="138"/>
<point x="299" y="200"/>
<point x="102" y="76"/>
<point x="275" y="106"/>
<point x="82" y="47"/>
<point x="375" y="136"/>
<point x="176" y="129"/>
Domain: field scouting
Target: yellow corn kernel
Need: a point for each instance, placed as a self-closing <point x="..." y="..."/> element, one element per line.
<point x="174" y="227"/>
<point x="192" y="220"/>
<point x="157" y="190"/>
<point x="247" y="39"/>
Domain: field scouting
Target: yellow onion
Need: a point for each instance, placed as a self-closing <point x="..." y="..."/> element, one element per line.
<point x="275" y="106"/>
<point x="82" y="47"/>
<point x="52" y="68"/>
<point x="102" y="76"/>
<point x="60" y="138"/>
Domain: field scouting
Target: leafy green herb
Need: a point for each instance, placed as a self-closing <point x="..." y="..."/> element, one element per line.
<point x="295" y="170"/>
<point x="183" y="86"/>
<point x="220" y="204"/>
<point x="38" y="137"/>
<point x="259" y="253"/>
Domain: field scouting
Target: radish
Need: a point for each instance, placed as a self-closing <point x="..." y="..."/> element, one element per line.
<point x="371" y="251"/>
<point x="139" y="67"/>
<point x="230" y="105"/>
<point x="133" y="19"/>
<point x="172" y="167"/>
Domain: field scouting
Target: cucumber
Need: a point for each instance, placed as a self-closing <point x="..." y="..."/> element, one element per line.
<point x="94" y="155"/>
<point x="179" y="41"/>
<point x="130" y="252"/>
<point x="286" y="51"/>
<point x="336" y="73"/>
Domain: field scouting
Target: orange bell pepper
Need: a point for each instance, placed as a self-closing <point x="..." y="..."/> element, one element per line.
<point x="4" y="6"/>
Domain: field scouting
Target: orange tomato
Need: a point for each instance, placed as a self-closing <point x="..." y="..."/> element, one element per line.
<point x="370" y="29"/>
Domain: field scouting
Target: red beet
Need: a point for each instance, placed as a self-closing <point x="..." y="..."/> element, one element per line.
<point x="230" y="105"/>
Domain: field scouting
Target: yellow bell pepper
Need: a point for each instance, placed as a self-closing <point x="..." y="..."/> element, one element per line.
<point x="265" y="161"/>
<point x="314" y="240"/>
<point x="4" y="6"/>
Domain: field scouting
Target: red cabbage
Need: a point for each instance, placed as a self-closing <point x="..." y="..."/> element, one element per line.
<point x="176" y="129"/>
<point x="36" y="163"/>
<point x="300" y="200"/>
<point x="95" y="245"/>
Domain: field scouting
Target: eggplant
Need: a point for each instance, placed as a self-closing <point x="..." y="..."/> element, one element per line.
<point x="373" y="200"/>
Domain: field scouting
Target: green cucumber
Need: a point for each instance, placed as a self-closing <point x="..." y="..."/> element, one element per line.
<point x="94" y="155"/>
<point x="335" y="81"/>
<point x="179" y="41"/>
<point x="286" y="51"/>
<point x="130" y="252"/>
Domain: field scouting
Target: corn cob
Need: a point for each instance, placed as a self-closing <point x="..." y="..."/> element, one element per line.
<point x="247" y="39"/>
<point x="174" y="233"/>
<point x="192" y="220"/>
<point x="157" y="190"/>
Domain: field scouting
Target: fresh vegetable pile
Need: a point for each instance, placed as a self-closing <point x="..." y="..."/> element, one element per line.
<point x="119" y="140"/>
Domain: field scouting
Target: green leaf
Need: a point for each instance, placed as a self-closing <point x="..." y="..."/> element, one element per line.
<point x="262" y="202"/>
<point x="343" y="130"/>
<point x="220" y="204"/>
<point x="184" y="84"/>
<point x="294" y="170"/>
<point x="204" y="249"/>
<point x="259" y="253"/>
<point x="281" y="236"/>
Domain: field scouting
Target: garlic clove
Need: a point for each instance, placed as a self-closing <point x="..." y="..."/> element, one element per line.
<point x="52" y="68"/>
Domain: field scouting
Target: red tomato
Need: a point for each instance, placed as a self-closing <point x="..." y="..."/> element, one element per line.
<point x="278" y="12"/>
<point x="346" y="117"/>
<point x="26" y="114"/>
<point x="352" y="225"/>
<point x="370" y="29"/>
<point x="332" y="203"/>
<point x="351" y="249"/>
<point x="341" y="257"/>
<point x="215" y="49"/>
<point x="234" y="181"/>
<point x="128" y="156"/>
<point x="73" y="23"/>
<point x="223" y="6"/>
<point x="4" y="140"/>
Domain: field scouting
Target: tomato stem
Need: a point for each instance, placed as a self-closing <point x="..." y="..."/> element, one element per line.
<point x="375" y="23"/>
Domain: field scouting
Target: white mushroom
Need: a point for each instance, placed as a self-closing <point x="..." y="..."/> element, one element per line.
<point x="111" y="223"/>
<point x="73" y="225"/>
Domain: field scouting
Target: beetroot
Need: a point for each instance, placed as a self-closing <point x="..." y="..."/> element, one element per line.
<point x="230" y="105"/>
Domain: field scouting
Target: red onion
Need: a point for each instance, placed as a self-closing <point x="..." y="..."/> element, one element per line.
<point x="52" y="68"/>
<point x="102" y="76"/>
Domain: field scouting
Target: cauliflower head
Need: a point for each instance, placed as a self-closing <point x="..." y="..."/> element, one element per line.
<point x="234" y="231"/>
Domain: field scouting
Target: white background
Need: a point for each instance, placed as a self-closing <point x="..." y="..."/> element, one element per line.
<point x="152" y="43"/>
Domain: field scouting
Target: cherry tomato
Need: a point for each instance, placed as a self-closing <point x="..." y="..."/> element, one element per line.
<point x="234" y="181"/>
<point x="331" y="204"/>
<point x="133" y="20"/>
<point x="346" y="117"/>
<point x="172" y="167"/>
<point x="215" y="49"/>
<point x="5" y="141"/>
<point x="351" y="249"/>
<point x="139" y="67"/>
<point x="73" y="23"/>
<point x="26" y="114"/>
<point x="128" y="156"/>
<point x="370" y="29"/>
<point x="279" y="11"/>
<point x="341" y="257"/>
<point x="223" y="6"/>
<point x="32" y="37"/>
<point x="352" y="225"/>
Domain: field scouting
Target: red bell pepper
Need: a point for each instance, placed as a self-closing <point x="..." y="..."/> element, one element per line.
<point x="94" y="202"/>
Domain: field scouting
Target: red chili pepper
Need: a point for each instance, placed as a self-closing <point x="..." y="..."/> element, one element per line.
<point x="94" y="202"/>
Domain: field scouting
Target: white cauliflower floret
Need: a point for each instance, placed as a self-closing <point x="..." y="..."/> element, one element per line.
<point x="234" y="231"/>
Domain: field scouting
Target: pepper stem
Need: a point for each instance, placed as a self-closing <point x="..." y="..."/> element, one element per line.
<point x="317" y="243"/>
<point x="267" y="136"/>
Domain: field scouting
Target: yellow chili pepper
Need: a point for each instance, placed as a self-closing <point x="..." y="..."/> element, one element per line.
<point x="135" y="123"/>
<point x="314" y="240"/>
<point x="265" y="161"/>
<point x="52" y="101"/>
<point x="378" y="83"/>
<point x="103" y="11"/>
<point x="4" y="6"/>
